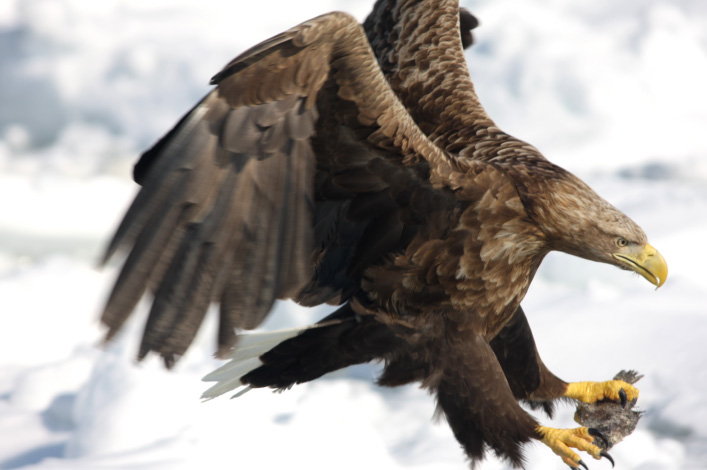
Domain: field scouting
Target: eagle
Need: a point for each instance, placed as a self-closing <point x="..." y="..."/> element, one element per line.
<point x="353" y="165"/>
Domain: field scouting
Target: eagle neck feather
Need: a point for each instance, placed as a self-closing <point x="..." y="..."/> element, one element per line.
<point x="502" y="251"/>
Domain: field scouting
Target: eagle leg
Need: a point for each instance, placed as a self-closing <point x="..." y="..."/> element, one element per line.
<point x="562" y="440"/>
<point x="527" y="375"/>
<point x="592" y="392"/>
<point x="475" y="397"/>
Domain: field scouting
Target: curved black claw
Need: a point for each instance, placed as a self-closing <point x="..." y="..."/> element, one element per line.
<point x="594" y="432"/>
<point x="607" y="457"/>
<point x="582" y="464"/>
<point x="623" y="398"/>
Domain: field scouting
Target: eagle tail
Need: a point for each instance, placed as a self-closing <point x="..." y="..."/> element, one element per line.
<point x="281" y="359"/>
<point x="245" y="357"/>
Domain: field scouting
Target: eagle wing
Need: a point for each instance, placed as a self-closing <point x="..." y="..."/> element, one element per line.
<point x="248" y="198"/>
<point x="420" y="48"/>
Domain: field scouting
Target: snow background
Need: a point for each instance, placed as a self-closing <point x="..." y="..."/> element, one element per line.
<point x="613" y="91"/>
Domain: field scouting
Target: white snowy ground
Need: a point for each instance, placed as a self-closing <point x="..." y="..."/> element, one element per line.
<point x="614" y="91"/>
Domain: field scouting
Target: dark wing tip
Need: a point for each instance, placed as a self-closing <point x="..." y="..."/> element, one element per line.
<point x="149" y="157"/>
<point x="253" y="54"/>
<point x="467" y="22"/>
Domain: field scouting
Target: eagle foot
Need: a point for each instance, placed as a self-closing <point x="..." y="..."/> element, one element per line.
<point x="592" y="392"/>
<point x="562" y="440"/>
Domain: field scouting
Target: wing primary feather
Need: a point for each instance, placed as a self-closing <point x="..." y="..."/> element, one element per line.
<point x="161" y="322"/>
<point x="199" y="190"/>
<point x="275" y="238"/>
<point x="252" y="284"/>
<point x="138" y="267"/>
<point x="262" y="286"/>
<point x="235" y="373"/>
<point x="298" y="268"/>
<point x="186" y="143"/>
<point x="184" y="294"/>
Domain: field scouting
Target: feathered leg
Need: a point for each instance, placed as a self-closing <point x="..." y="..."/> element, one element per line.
<point x="483" y="412"/>
<point x="479" y="404"/>
<point x="526" y="373"/>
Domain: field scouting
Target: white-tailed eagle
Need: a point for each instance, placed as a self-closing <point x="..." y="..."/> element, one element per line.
<point x="354" y="165"/>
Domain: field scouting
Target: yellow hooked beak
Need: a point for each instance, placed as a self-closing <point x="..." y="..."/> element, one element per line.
<point x="647" y="262"/>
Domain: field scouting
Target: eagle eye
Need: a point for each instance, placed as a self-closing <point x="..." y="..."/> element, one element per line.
<point x="621" y="242"/>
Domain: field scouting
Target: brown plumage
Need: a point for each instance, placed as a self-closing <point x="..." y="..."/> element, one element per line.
<point x="355" y="166"/>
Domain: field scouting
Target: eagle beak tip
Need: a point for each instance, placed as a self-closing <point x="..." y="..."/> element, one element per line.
<point x="657" y="266"/>
<point x="647" y="262"/>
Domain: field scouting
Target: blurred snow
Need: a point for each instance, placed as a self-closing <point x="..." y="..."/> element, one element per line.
<point x="613" y="91"/>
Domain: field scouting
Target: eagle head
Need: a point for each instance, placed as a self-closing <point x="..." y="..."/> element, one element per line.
<point x="576" y="220"/>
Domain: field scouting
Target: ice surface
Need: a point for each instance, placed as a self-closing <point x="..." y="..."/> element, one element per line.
<point x="613" y="91"/>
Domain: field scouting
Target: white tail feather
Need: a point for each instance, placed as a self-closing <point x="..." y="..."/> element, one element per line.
<point x="233" y="369"/>
<point x="269" y="337"/>
<point x="241" y="392"/>
<point x="245" y="357"/>
<point x="230" y="378"/>
<point x="257" y="344"/>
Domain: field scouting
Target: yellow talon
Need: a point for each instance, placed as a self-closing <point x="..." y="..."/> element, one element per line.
<point x="561" y="440"/>
<point x="592" y="392"/>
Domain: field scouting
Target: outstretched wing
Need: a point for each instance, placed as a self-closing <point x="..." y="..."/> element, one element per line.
<point x="300" y="162"/>
<point x="419" y="46"/>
